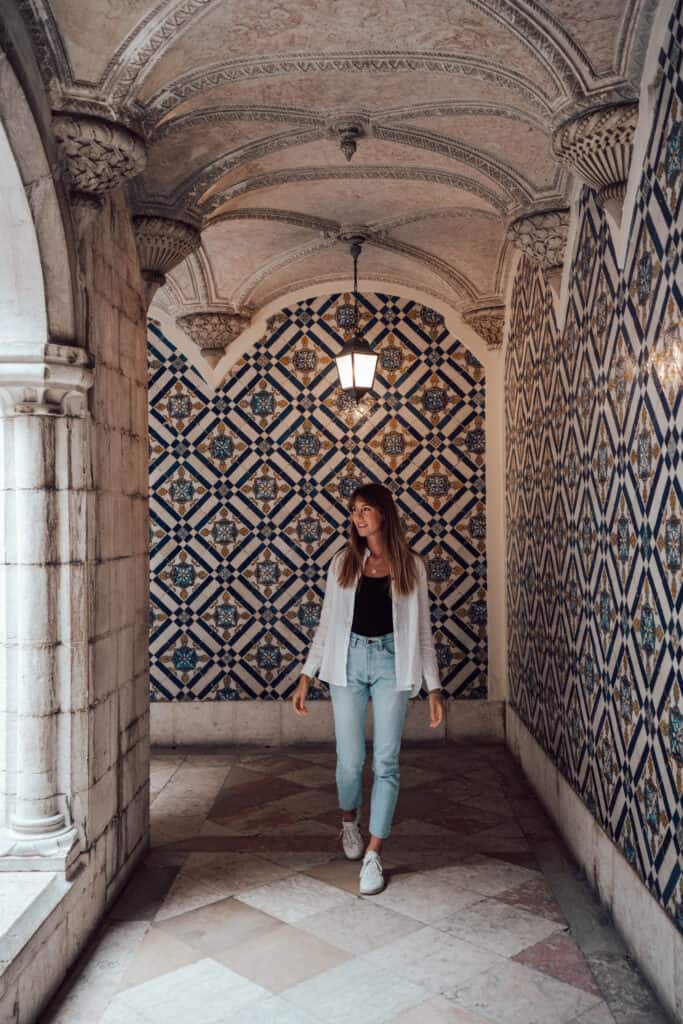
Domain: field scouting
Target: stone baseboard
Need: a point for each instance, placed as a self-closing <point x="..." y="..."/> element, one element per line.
<point x="646" y="929"/>
<point x="216" y="723"/>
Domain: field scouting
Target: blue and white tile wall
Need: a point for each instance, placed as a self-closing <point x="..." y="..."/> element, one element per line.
<point x="249" y="488"/>
<point x="594" y="496"/>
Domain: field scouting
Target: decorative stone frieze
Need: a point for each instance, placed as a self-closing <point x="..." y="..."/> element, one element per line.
<point x="45" y="380"/>
<point x="212" y="332"/>
<point x="598" y="146"/>
<point x="488" y="322"/>
<point x="542" y="237"/>
<point x="99" y="155"/>
<point x="162" y="244"/>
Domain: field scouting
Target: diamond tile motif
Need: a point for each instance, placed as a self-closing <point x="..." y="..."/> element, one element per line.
<point x="594" y="512"/>
<point x="249" y="488"/>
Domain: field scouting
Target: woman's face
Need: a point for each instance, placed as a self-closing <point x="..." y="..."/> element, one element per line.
<point x="366" y="518"/>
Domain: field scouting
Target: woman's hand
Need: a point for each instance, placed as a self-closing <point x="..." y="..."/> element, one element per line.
<point x="300" y="694"/>
<point x="436" y="709"/>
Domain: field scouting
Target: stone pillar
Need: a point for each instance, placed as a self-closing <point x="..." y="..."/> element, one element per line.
<point x="543" y="238"/>
<point x="39" y="392"/>
<point x="597" y="146"/>
<point x="162" y="244"/>
<point x="212" y="332"/>
<point x="488" y="322"/>
<point x="98" y="157"/>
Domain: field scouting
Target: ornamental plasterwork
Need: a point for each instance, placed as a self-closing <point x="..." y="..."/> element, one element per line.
<point x="559" y="83"/>
<point x="212" y="332"/>
<point x="542" y="237"/>
<point x="517" y="188"/>
<point x="240" y="69"/>
<point x="598" y="147"/>
<point x="162" y="244"/>
<point x="488" y="323"/>
<point x="99" y="155"/>
<point x="391" y="173"/>
<point x="224" y="115"/>
<point x="458" y="281"/>
<point x="285" y="259"/>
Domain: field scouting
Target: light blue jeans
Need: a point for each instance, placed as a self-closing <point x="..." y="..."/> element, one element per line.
<point x="370" y="674"/>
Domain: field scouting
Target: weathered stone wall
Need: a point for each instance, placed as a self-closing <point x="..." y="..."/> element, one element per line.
<point x="114" y="792"/>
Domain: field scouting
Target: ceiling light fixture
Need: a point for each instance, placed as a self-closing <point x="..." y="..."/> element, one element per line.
<point x="356" y="363"/>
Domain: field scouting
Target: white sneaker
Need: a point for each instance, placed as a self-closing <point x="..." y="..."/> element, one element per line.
<point x="371" y="876"/>
<point x="352" y="840"/>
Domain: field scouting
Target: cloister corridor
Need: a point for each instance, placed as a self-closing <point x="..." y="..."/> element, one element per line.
<point x="215" y="217"/>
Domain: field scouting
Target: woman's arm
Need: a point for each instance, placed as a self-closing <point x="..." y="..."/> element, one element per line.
<point x="430" y="668"/>
<point x="315" y="653"/>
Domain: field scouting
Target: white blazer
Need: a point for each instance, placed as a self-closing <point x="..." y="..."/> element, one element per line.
<point x="415" y="656"/>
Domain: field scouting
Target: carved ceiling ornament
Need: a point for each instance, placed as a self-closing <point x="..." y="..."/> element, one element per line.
<point x="211" y="76"/>
<point x="488" y="323"/>
<point x="162" y="244"/>
<point x="389" y="172"/>
<point x="598" y="146"/>
<point x="542" y="237"/>
<point x="99" y="155"/>
<point x="212" y="332"/>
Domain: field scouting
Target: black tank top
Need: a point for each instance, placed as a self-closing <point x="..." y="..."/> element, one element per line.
<point x="372" y="615"/>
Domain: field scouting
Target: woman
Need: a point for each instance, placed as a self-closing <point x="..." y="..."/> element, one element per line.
<point x="374" y="640"/>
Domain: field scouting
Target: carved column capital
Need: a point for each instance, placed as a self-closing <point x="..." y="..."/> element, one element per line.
<point x="162" y="244"/>
<point x="212" y="332"/>
<point x="99" y="156"/>
<point x="542" y="237"/>
<point x="598" y="146"/>
<point x="488" y="322"/>
<point x="44" y="380"/>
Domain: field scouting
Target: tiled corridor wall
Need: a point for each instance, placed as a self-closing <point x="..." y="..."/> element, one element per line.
<point x="249" y="489"/>
<point x="594" y="492"/>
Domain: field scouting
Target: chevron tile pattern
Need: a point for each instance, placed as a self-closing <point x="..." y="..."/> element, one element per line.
<point x="249" y="489"/>
<point x="594" y="496"/>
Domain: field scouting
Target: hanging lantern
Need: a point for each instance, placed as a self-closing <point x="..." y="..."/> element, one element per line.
<point x="356" y="363"/>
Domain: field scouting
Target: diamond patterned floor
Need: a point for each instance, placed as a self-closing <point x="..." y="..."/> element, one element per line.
<point x="246" y="911"/>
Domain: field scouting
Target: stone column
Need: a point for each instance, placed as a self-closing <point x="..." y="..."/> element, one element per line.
<point x="162" y="244"/>
<point x="213" y="332"/>
<point x="39" y="392"/>
<point x="597" y="146"/>
<point x="543" y="238"/>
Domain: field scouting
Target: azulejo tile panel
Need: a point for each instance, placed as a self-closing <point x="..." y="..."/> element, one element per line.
<point x="249" y="488"/>
<point x="594" y="513"/>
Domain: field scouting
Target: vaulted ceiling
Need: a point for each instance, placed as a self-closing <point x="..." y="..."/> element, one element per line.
<point x="242" y="103"/>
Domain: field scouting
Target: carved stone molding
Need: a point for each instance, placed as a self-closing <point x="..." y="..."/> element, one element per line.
<point x="212" y="332"/>
<point x="162" y="244"/>
<point x="598" y="146"/>
<point x="542" y="237"/>
<point x="488" y="323"/>
<point x="44" y="380"/>
<point x="99" y="155"/>
<point x="239" y="69"/>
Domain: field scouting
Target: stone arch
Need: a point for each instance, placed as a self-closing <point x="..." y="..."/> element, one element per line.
<point x="36" y="284"/>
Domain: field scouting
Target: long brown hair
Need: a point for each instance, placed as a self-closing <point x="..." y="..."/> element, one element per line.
<point x="401" y="558"/>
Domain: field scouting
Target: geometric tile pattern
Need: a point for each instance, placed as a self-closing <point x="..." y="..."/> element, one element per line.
<point x="245" y="909"/>
<point x="594" y="512"/>
<point x="248" y="492"/>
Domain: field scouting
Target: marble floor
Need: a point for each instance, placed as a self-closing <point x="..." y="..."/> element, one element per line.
<point x="245" y="910"/>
